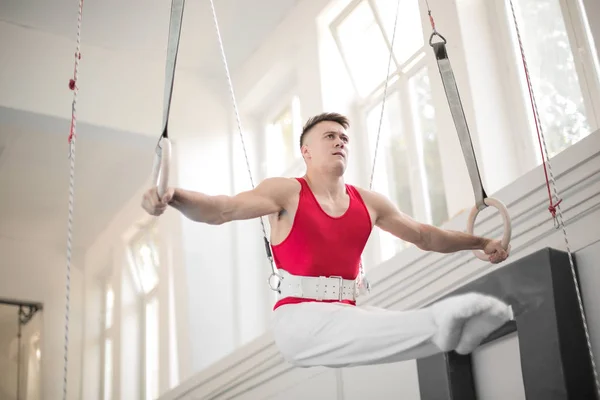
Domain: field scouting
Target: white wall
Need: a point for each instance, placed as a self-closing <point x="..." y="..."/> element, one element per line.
<point x="36" y="272"/>
<point x="106" y="260"/>
<point x="121" y="89"/>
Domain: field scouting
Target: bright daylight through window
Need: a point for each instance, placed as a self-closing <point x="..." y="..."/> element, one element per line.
<point x="145" y="264"/>
<point x="408" y="166"/>
<point x="283" y="135"/>
<point x="563" y="70"/>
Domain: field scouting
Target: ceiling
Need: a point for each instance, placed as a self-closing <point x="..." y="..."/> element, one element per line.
<point x="111" y="166"/>
<point x="141" y="26"/>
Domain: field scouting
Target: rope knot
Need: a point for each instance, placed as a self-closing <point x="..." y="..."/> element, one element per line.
<point x="72" y="84"/>
<point x="431" y="21"/>
<point x="552" y="208"/>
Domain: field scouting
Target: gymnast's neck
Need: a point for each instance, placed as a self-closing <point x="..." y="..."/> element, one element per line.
<point x="326" y="184"/>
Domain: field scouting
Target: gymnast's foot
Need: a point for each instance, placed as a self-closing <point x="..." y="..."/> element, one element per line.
<point x="464" y="321"/>
<point x="481" y="326"/>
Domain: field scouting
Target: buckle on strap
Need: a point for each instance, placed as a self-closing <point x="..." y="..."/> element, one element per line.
<point x="340" y="286"/>
<point x="322" y="287"/>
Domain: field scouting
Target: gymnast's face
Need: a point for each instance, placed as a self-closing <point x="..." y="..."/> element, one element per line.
<point x="326" y="147"/>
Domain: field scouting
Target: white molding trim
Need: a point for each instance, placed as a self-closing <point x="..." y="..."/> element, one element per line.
<point x="413" y="278"/>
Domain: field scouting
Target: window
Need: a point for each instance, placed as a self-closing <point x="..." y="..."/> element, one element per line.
<point x="144" y="260"/>
<point x="108" y="369"/>
<point x="408" y="168"/>
<point x="109" y="304"/>
<point x="151" y="349"/>
<point x="562" y="67"/>
<point x="283" y="136"/>
<point x="427" y="148"/>
<point x="364" y="35"/>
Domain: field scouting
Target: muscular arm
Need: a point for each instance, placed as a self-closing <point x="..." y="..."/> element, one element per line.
<point x="424" y="236"/>
<point x="268" y="197"/>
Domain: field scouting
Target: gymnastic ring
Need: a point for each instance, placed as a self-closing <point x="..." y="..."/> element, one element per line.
<point x="270" y="282"/>
<point x="160" y="168"/>
<point x="506" y="221"/>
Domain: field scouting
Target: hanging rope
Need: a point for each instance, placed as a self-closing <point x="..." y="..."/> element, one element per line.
<point x="537" y="120"/>
<point x="554" y="207"/>
<point x="385" y="88"/>
<point x="72" y="139"/>
<point x="240" y="131"/>
<point x="364" y="284"/>
<point x="274" y="274"/>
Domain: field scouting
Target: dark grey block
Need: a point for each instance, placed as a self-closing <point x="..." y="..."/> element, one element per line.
<point x="555" y="361"/>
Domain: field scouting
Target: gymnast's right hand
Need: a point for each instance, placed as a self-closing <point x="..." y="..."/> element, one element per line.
<point x="153" y="204"/>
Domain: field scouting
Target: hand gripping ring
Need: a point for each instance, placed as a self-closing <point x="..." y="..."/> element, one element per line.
<point x="160" y="168"/>
<point x="505" y="218"/>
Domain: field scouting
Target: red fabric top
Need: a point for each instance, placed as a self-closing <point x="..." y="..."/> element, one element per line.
<point x="321" y="245"/>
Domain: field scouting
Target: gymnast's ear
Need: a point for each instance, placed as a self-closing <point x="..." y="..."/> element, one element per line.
<point x="305" y="151"/>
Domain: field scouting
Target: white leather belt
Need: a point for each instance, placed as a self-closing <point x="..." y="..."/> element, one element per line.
<point x="316" y="288"/>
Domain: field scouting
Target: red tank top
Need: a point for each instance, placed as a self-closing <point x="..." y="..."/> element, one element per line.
<point x="321" y="245"/>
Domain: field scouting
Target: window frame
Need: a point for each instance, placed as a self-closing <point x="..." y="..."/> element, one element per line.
<point x="398" y="84"/>
<point x="417" y="57"/>
<point x="284" y="101"/>
<point x="574" y="17"/>
<point x="501" y="20"/>
<point x="107" y="333"/>
<point x="143" y="297"/>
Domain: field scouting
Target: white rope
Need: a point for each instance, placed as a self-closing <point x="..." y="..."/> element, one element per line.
<point x="558" y="208"/>
<point x="385" y="88"/>
<point x="239" y="126"/>
<point x="387" y="79"/>
<point x="72" y="140"/>
<point x="239" y="123"/>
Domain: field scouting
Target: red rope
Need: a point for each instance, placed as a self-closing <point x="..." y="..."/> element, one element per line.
<point x="431" y="21"/>
<point x="72" y="84"/>
<point x="552" y="206"/>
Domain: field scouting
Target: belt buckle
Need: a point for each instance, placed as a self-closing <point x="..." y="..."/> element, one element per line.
<point x="340" y="286"/>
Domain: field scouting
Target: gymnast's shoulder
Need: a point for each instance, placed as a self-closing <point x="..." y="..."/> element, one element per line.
<point x="279" y="185"/>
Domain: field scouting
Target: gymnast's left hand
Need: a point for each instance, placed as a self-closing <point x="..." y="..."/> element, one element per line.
<point x="153" y="204"/>
<point x="495" y="251"/>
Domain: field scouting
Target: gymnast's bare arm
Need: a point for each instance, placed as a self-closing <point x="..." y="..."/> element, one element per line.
<point x="427" y="237"/>
<point x="269" y="197"/>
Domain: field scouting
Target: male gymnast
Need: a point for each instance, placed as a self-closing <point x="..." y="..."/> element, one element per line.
<point x="319" y="228"/>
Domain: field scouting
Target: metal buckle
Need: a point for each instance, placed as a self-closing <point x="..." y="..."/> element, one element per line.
<point x="340" y="286"/>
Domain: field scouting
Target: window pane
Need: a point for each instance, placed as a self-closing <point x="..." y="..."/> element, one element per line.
<point x="552" y="69"/>
<point x="145" y="257"/>
<point x="109" y="306"/>
<point x="392" y="169"/>
<point x="409" y="31"/>
<point x="283" y="135"/>
<point x="427" y="144"/>
<point x="364" y="48"/>
<point x="108" y="369"/>
<point x="152" y="349"/>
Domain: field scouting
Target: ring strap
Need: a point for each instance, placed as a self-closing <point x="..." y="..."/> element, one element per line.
<point x="460" y="121"/>
<point x="172" y="50"/>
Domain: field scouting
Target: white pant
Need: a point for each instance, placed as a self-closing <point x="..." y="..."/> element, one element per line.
<point x="340" y="335"/>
